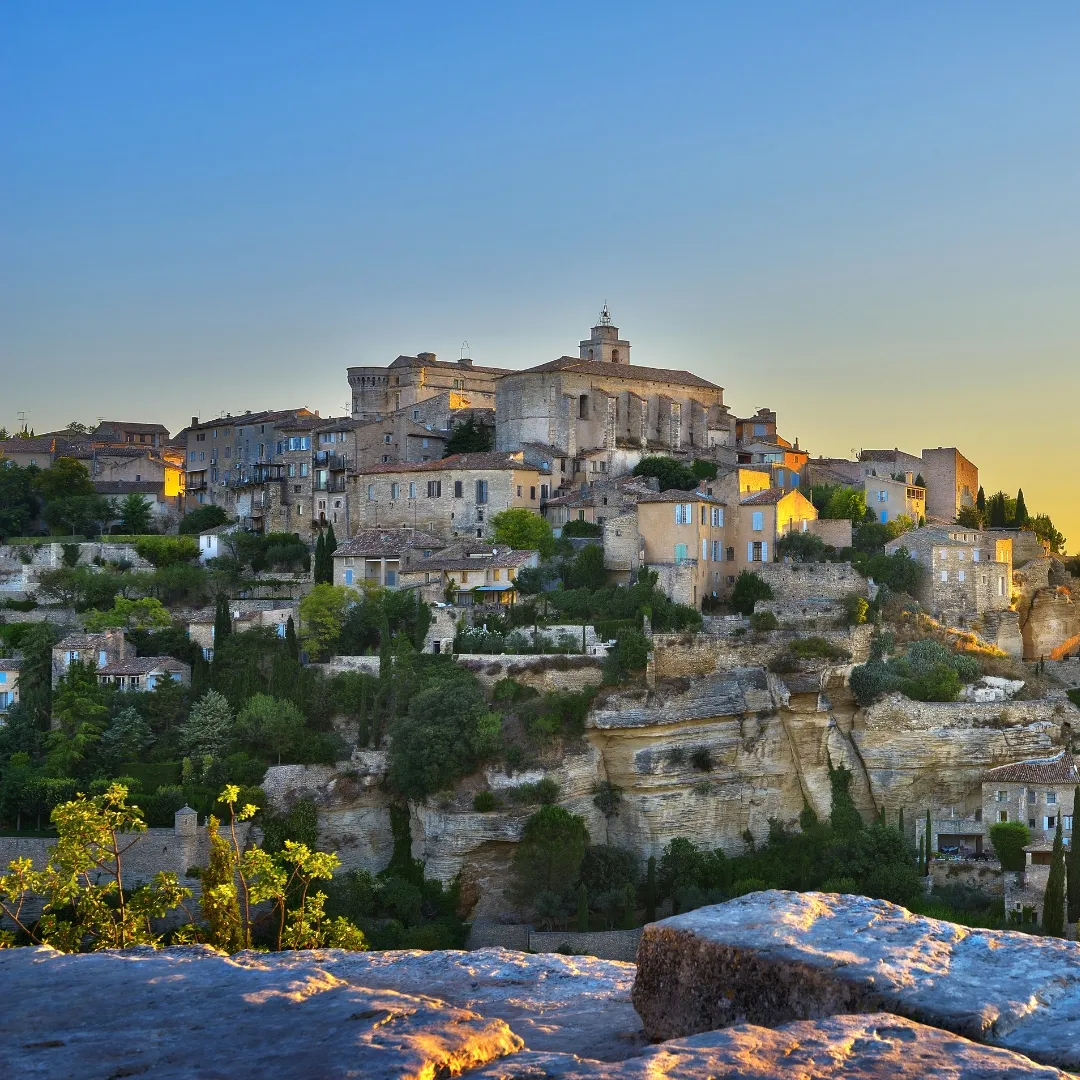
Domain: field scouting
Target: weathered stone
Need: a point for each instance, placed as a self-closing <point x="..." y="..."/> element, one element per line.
<point x="189" y="1012"/>
<point x="852" y="1047"/>
<point x="573" y="1004"/>
<point x="773" y="957"/>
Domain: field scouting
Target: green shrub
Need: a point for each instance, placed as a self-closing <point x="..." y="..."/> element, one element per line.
<point x="163" y="551"/>
<point x="701" y="759"/>
<point x="748" y="590"/>
<point x="582" y="529"/>
<point x="856" y="607"/>
<point x="1009" y="838"/>
<point x="764" y="620"/>
<point x="819" y="647"/>
<point x="630" y="653"/>
<point x="607" y="797"/>
<point x="544" y="792"/>
<point x="159" y="809"/>
<point x="484" y="802"/>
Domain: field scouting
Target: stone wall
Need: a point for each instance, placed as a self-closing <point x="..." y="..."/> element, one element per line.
<point x="339" y="664"/>
<point x="543" y="672"/>
<point x="603" y="944"/>
<point x="834" y="531"/>
<point x="812" y="581"/>
<point x="986" y="877"/>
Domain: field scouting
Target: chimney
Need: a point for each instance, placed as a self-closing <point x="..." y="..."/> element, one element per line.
<point x="427" y="357"/>
<point x="909" y="478"/>
<point x="466" y="360"/>
<point x="194" y="421"/>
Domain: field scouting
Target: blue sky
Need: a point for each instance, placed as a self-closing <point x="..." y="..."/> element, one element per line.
<point x="864" y="216"/>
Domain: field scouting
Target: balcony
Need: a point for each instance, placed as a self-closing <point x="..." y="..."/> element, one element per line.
<point x="326" y="459"/>
<point x="333" y="483"/>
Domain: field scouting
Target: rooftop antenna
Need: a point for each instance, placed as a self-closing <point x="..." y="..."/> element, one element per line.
<point x="605" y="316"/>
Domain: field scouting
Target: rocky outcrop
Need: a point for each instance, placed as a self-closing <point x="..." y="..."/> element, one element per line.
<point x="773" y="957"/>
<point x="192" y="1012"/>
<point x="1052" y="627"/>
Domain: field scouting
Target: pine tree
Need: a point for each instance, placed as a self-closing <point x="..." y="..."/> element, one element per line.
<point x="1072" y="863"/>
<point x="1021" y="518"/>
<point x="209" y="726"/>
<point x="292" y="646"/>
<point x="929" y="848"/>
<point x="583" y="908"/>
<point x="1053" y="920"/>
<point x="650" y="890"/>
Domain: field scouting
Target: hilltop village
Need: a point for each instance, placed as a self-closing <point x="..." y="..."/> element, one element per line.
<point x="541" y="651"/>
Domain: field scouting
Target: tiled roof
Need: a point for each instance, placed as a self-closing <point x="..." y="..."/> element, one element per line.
<point x="1059" y="769"/>
<point x="622" y="371"/>
<point x="37" y="445"/>
<point x="267" y="416"/>
<point x="417" y="361"/>
<point x="141" y="429"/>
<point x="458" y="559"/>
<point x="386" y="542"/>
<point x="768" y="497"/>
<point x="128" y="487"/>
<point x="9" y="664"/>
<point x="674" y="495"/>
<point x="481" y="462"/>
<point x="142" y="665"/>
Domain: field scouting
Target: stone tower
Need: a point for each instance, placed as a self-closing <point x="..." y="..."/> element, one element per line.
<point x="605" y="344"/>
<point x="186" y="822"/>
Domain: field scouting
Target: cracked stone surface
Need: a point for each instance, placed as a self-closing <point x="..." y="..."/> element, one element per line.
<point x="773" y="957"/>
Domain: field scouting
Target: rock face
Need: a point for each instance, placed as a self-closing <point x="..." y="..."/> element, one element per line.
<point x="774" y="957"/>
<point x="191" y="1012"/>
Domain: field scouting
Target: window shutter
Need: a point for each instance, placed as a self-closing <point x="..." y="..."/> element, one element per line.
<point x="765" y="551"/>
<point x="749" y="551"/>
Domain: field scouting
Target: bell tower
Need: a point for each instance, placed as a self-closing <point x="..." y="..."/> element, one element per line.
<point x="605" y="344"/>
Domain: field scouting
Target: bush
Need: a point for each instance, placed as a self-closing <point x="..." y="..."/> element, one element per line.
<point x="856" y="608"/>
<point x="630" y="653"/>
<point x="1009" y="838"/>
<point x="484" y="802"/>
<point x="202" y="519"/>
<point x="749" y="589"/>
<point x="761" y="621"/>
<point x="162" y="551"/>
<point x="802" y="547"/>
<point x="701" y="759"/>
<point x="817" y="647"/>
<point x="581" y="529"/>
<point x="544" y="792"/>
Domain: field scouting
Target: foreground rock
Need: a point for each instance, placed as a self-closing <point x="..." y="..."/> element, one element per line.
<point x="573" y="1004"/>
<point x="773" y="957"/>
<point x="851" y="1047"/>
<point x="191" y="1012"/>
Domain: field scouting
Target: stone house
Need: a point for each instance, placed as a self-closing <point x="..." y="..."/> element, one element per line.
<point x="888" y="498"/>
<point x="98" y="650"/>
<point x="684" y="537"/>
<point x="967" y="572"/>
<point x="162" y="511"/>
<point x="1033" y="792"/>
<point x="379" y="556"/>
<point x="599" y="401"/>
<point x="227" y="459"/>
<point x="211" y="542"/>
<point x="452" y="497"/>
<point x="358" y="444"/>
<point x="135" y="464"/>
<point x="130" y="433"/>
<point x="761" y="519"/>
<point x="245" y="615"/>
<point x="409" y="381"/>
<point x="600" y="501"/>
<point x="40" y="451"/>
<point x="9" y="684"/>
<point x="476" y="574"/>
<point x="952" y="483"/>
<point x="893" y="462"/>
<point x="142" y="673"/>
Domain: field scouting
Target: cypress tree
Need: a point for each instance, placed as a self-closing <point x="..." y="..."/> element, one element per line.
<point x="929" y="848"/>
<point x="650" y="890"/>
<point x="222" y="621"/>
<point x="1021" y="518"/>
<point x="843" y="816"/>
<point x="1072" y="864"/>
<point x="292" y="646"/>
<point x="980" y="503"/>
<point x="1053" y="920"/>
<point x="331" y="546"/>
<point x="583" y="908"/>
<point x="997" y="511"/>
<point x="900" y="822"/>
<point x="319" y="569"/>
<point x="922" y="858"/>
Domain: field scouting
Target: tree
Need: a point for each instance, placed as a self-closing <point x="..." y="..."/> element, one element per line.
<point x="203" y="519"/>
<point x="844" y="818"/>
<point x="650" y="890"/>
<point x="136" y="515"/>
<point x="144" y="614"/>
<point x="209" y="726"/>
<point x="587" y="571"/>
<point x="1020" y="517"/>
<point x="78" y="514"/>
<point x="319" y="566"/>
<point x="582" y="909"/>
<point x="579" y="529"/>
<point x="1009" y="838"/>
<point x="331" y="544"/>
<point x="292" y="646"/>
<point x="980" y="503"/>
<point x="220" y="903"/>
<point x="222" y="622"/>
<point x="1053" y="913"/>
<point x="548" y="858"/>
<point x="630" y="653"/>
<point x="35" y="675"/>
<point x="80" y="717"/>
<point x="1072" y="865"/>
<point x="271" y="725"/>
<point x="845" y="502"/>
<point x="1043" y="528"/>
<point x="18" y="506"/>
<point x="523" y="530"/>
<point x="470" y="438"/>
<point x="671" y="474"/>
<point x="126" y="737"/>
<point x="998" y="511"/>
<point x="165" y="551"/>
<point x="66" y="478"/>
<point x="749" y="588"/>
<point x="87" y="905"/>
<point x="322" y="615"/>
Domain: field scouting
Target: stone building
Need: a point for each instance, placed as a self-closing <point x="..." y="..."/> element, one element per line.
<point x="453" y="497"/>
<point x="470" y="573"/>
<point x="966" y="572"/>
<point x="1033" y="792"/>
<point x="952" y="483"/>
<point x="9" y="684"/>
<point x="893" y="462"/>
<point x="98" y="650"/>
<point x="598" y="502"/>
<point x="141" y="673"/>
<point x="380" y="556"/>
<point x="244" y="615"/>
<point x="684" y="538"/>
<point x="760" y="520"/>
<point x="600" y="402"/>
<point x="411" y="380"/>
<point x="888" y="499"/>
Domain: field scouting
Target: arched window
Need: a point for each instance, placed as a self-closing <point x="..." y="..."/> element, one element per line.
<point x="614" y="356"/>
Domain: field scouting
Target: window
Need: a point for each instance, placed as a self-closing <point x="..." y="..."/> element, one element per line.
<point x="303" y="468"/>
<point x="1003" y="815"/>
<point x="704" y="549"/>
<point x="412" y="489"/>
<point x="759" y="521"/>
<point x="975" y="555"/>
<point x="1032" y="797"/>
<point x="944" y="575"/>
<point x="704" y="512"/>
<point x="386" y="438"/>
<point x="1051" y="798"/>
<point x="519" y="491"/>
<point x="1050" y="822"/>
<point x="960" y="575"/>
<point x="583" y="407"/>
<point x="481" y="492"/>
<point x="960" y="556"/>
<point x="717" y="551"/>
<point x="395" y="491"/>
<point x="391" y="578"/>
<point x="457" y="489"/>
<point x="532" y="494"/>
<point x="102" y="658"/>
<point x="543" y="491"/>
<point x="882" y="496"/>
<point x="717" y="517"/>
<point x="684" y="513"/>
<point x="680" y="553"/>
<point x="1066" y="822"/>
<point x="1031" y="823"/>
<point x="756" y="551"/>
<point x="424" y="443"/>
<point x="759" y="429"/>
<point x="416" y="416"/>
<point x="434" y="489"/>
<point x="371" y="492"/>
<point x="1001" y="586"/>
<point x="300" y="442"/>
<point x="1001" y="796"/>
<point x="884" y="517"/>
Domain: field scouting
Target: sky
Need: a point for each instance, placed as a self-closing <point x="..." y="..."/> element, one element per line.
<point x="864" y="216"/>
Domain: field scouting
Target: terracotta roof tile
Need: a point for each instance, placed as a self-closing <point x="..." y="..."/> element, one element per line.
<point x="1059" y="769"/>
<point x="387" y="542"/>
<point x="622" y="371"/>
